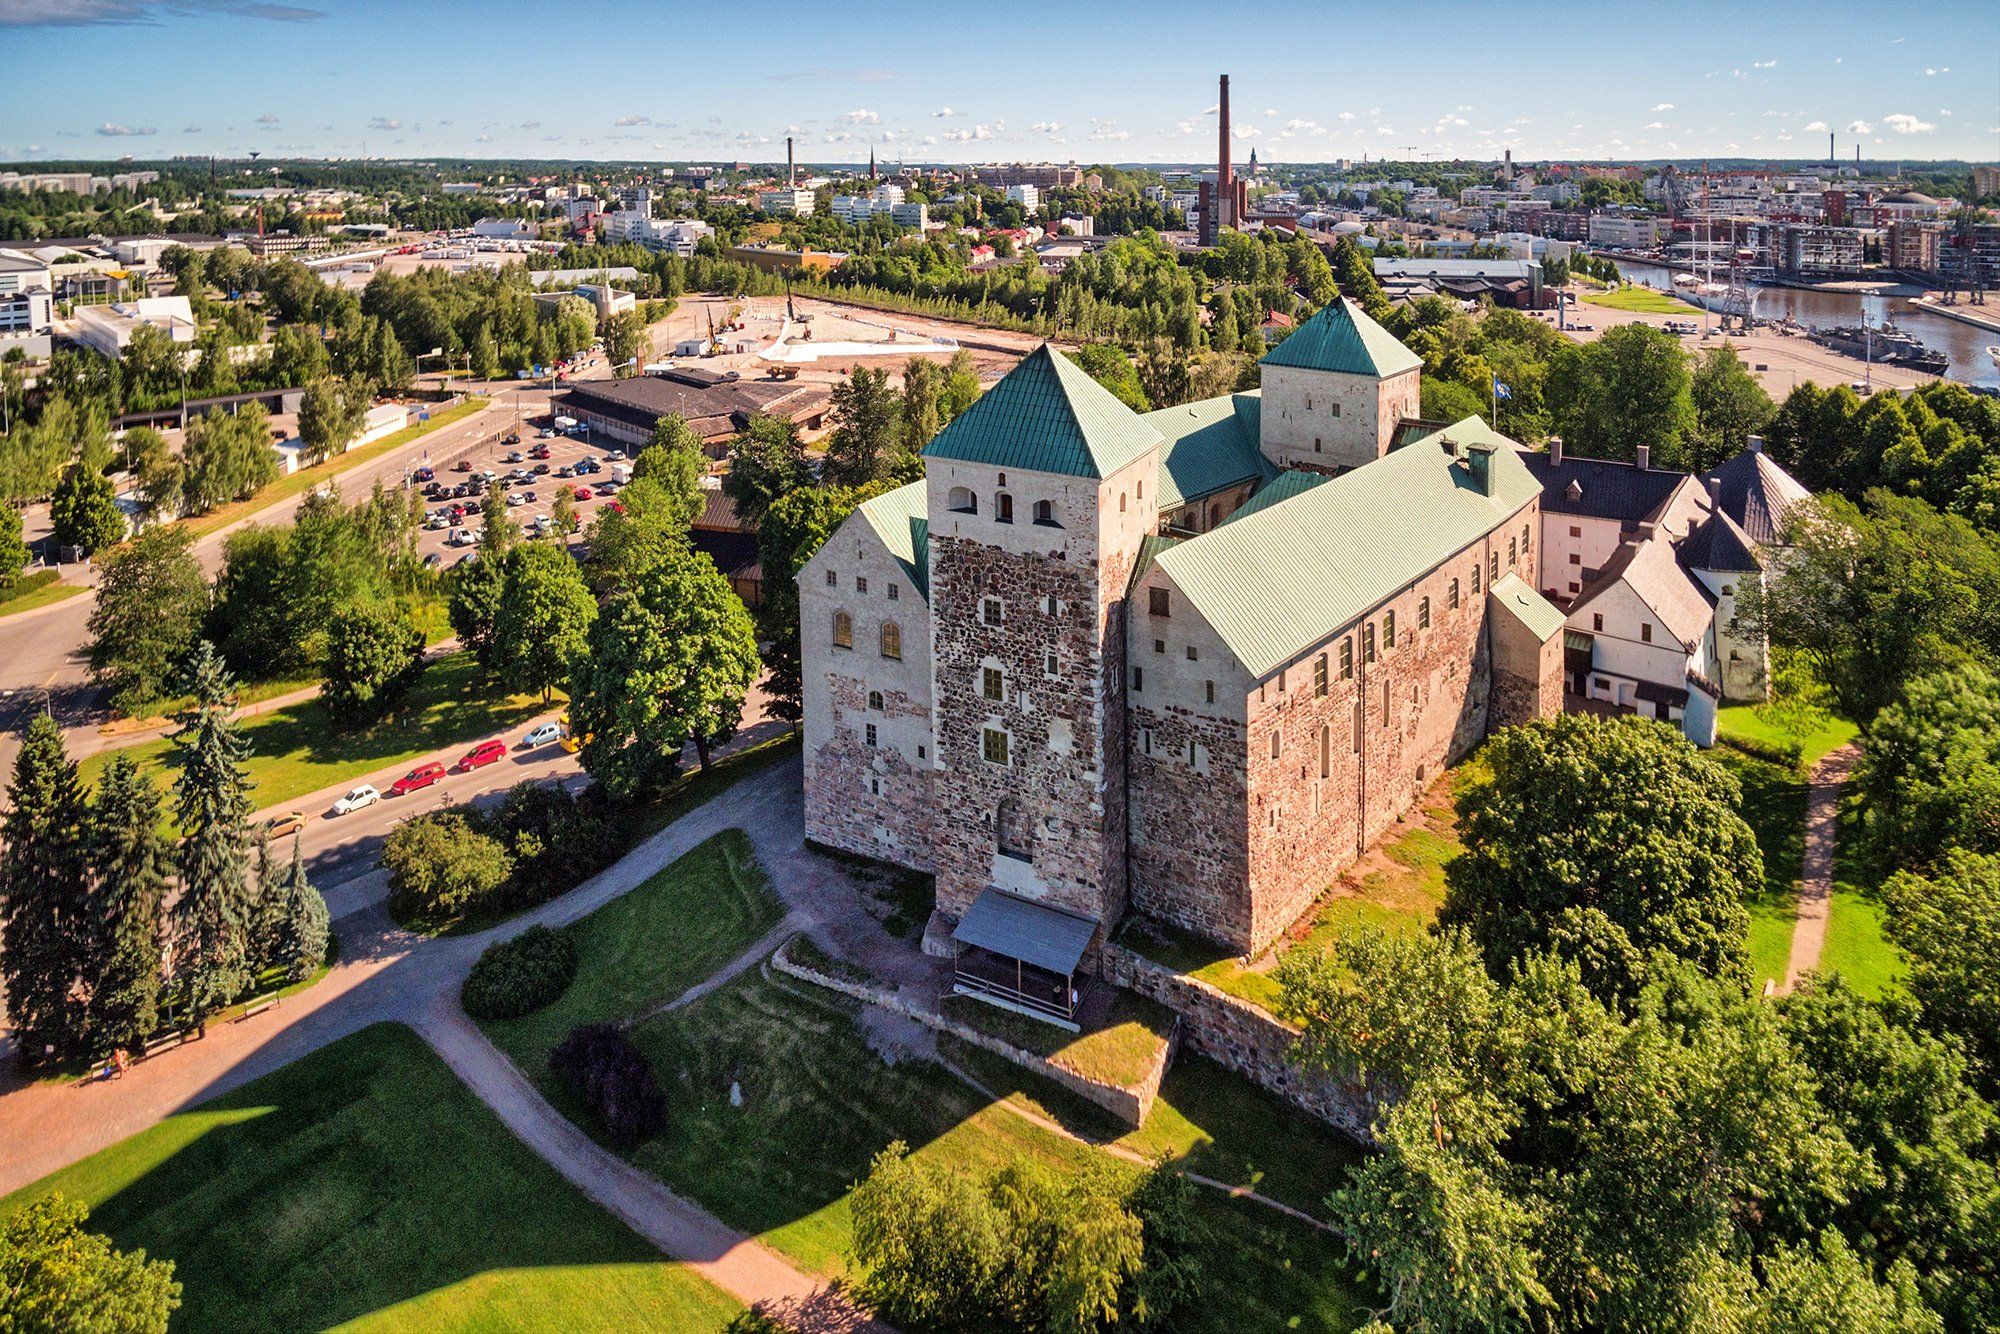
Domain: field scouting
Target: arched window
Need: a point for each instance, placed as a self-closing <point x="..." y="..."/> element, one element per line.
<point x="1424" y="614"/>
<point x="1454" y="595"/>
<point x="1003" y="508"/>
<point x="1525" y="546"/>
<point x="875" y="700"/>
<point x="960" y="500"/>
<point x="1276" y="745"/>
<point x="1513" y="552"/>
<point x="1319" y="675"/>
<point x="1347" y="658"/>
<point x="1368" y="642"/>
<point x="1475" y="578"/>
<point x="1014" y="832"/>
<point x="843" y="630"/>
<point x="1388" y="629"/>
<point x="892" y="640"/>
<point x="1045" y="514"/>
<point x="1325" y="751"/>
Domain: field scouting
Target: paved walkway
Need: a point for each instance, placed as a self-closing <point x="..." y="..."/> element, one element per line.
<point x="1816" y="873"/>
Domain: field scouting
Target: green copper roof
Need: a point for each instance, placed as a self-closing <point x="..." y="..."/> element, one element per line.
<point x="1046" y="415"/>
<point x="1282" y="487"/>
<point x="899" y="519"/>
<point x="1511" y="594"/>
<point x="1207" y="448"/>
<point x="1341" y="337"/>
<point x="1283" y="579"/>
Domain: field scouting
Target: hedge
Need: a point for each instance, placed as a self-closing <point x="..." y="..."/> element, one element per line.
<point x="518" y="976"/>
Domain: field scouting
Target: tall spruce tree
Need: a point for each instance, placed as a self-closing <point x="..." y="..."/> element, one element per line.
<point x="131" y="860"/>
<point x="306" y="926"/>
<point x="214" y="916"/>
<point x="45" y="938"/>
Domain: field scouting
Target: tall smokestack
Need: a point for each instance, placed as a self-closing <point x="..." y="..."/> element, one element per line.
<point x="1829" y="148"/>
<point x="1223" y="175"/>
<point x="791" y="171"/>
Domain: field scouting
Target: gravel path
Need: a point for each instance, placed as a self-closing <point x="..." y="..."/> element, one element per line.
<point x="1816" y="873"/>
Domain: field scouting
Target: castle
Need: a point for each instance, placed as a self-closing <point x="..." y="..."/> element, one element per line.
<point x="1187" y="663"/>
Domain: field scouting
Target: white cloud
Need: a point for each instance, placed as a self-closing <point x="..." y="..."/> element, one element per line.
<point x="1860" y="127"/>
<point x="1933" y="73"/>
<point x="1817" y="125"/>
<point x="384" y="123"/>
<point x="112" y="131"/>
<point x="1663" y="106"/>
<point x="1656" y="125"/>
<point x="1347" y="115"/>
<point x="1904" y="123"/>
<point x="1296" y="125"/>
<point x="1184" y="127"/>
<point x="267" y="119"/>
<point x="1271" y="113"/>
<point x="487" y="139"/>
<point x="1763" y="64"/>
<point x="1245" y="132"/>
<point x="628" y="121"/>
<point x="942" y="112"/>
<point x="1052" y="126"/>
<point x="862" y="116"/>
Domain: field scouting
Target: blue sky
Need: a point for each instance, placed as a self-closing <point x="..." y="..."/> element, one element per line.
<point x="1111" y="81"/>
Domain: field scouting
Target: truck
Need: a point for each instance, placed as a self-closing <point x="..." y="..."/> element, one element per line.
<point x="621" y="473"/>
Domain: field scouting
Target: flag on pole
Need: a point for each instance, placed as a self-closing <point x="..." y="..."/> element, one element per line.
<point x="1501" y="392"/>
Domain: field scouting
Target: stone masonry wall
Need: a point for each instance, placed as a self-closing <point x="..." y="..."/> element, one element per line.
<point x="874" y="801"/>
<point x="1242" y="1038"/>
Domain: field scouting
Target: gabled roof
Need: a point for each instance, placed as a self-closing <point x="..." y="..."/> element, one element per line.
<point x="1340" y="337"/>
<point x="1031" y="932"/>
<point x="1284" y="578"/>
<point x="1047" y="415"/>
<point x="1656" y="578"/>
<point x="1206" y="448"/>
<point x="1753" y="490"/>
<point x="1601" y="488"/>
<point x="902" y="523"/>
<point x="1511" y="594"/>
<point x="1717" y="544"/>
<point x="1281" y="488"/>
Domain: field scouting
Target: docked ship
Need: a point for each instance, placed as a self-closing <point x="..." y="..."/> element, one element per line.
<point x="1888" y="346"/>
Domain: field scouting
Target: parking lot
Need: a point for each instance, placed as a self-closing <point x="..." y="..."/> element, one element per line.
<point x="531" y="464"/>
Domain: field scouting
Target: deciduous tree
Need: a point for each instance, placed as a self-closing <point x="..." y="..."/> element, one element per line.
<point x="56" y="1276"/>
<point x="544" y="616"/>
<point x="373" y="656"/>
<point x="150" y="604"/>
<point x="331" y="413"/>
<point x="84" y="511"/>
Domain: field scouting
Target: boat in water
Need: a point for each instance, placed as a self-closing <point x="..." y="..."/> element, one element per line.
<point x="1888" y="345"/>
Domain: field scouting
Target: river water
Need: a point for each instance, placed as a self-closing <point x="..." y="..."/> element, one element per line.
<point x="1963" y="343"/>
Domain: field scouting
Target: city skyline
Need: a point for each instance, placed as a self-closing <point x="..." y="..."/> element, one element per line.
<point x="500" y="80"/>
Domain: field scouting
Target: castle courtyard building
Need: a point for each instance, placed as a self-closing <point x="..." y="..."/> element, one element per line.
<point x="1186" y="663"/>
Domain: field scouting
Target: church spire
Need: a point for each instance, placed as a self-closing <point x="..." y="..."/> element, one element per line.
<point x="871" y="162"/>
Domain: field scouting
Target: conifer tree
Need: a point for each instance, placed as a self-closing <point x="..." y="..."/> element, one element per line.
<point x="131" y="860"/>
<point x="213" y="917"/>
<point x="306" y="924"/>
<point x="45" y="897"/>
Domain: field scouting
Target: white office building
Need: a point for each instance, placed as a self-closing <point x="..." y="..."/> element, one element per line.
<point x="1027" y="196"/>
<point x="108" y="329"/>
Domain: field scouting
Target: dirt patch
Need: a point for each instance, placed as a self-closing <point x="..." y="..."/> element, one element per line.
<point x="896" y="1037"/>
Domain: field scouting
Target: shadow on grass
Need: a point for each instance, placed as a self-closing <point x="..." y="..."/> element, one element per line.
<point x="359" y="1178"/>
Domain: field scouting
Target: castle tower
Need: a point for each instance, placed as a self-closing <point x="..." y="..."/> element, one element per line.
<point x="1039" y="499"/>
<point x="1335" y="391"/>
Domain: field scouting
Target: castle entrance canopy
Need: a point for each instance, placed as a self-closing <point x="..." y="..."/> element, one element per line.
<point x="1020" y="955"/>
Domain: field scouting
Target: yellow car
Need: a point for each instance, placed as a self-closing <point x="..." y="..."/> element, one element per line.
<point x="284" y="826"/>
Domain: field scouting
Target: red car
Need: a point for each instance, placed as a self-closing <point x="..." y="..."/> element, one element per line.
<point x="421" y="776"/>
<point x="582" y="493"/>
<point x="486" y="752"/>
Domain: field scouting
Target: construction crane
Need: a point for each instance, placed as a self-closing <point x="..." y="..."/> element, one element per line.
<point x="1965" y="270"/>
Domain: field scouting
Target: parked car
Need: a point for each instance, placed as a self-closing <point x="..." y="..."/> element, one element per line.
<point x="485" y="753"/>
<point x="421" y="776"/>
<point x="433" y="561"/>
<point x="513" y="437"/>
<point x="515" y="456"/>
<point x="460" y="537"/>
<point x="540" y="470"/>
<point x="515" y="498"/>
<point x="463" y="465"/>
<point x="615" y="507"/>
<point x="423" y="474"/>
<point x="567" y="470"/>
<point x="541" y="735"/>
<point x="613" y="455"/>
<point x="355" y="800"/>
<point x="284" y="826"/>
<point x="581" y="493"/>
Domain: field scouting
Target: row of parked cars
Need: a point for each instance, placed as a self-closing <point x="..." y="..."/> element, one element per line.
<point x="486" y="752"/>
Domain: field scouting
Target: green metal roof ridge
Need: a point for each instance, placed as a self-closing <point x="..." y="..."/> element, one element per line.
<point x="1512" y="594"/>
<point x="1205" y="448"/>
<point x="1284" y="578"/>
<point x="901" y="521"/>
<point x="1047" y="415"/>
<point x="1341" y="337"/>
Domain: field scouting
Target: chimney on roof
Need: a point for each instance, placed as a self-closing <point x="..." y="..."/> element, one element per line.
<point x="1479" y="463"/>
<point x="1556" y="450"/>
<point x="1756" y="444"/>
<point x="1645" y="457"/>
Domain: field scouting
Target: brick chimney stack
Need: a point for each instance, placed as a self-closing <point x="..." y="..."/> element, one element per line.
<point x="1223" y="174"/>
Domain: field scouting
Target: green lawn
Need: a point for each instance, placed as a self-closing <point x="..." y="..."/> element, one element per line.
<point x="1645" y="300"/>
<point x="823" y="1090"/>
<point x="1779" y="728"/>
<point x="298" y="749"/>
<point x="365" y="1184"/>
<point x="298" y="483"/>
<point x="1856" y="945"/>
<point x="648" y="946"/>
<point x="37" y="590"/>
<point x="1774" y="806"/>
<point x="1120" y="1051"/>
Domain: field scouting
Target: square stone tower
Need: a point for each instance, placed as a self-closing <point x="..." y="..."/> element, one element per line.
<point x="1335" y="390"/>
<point x="1040" y="498"/>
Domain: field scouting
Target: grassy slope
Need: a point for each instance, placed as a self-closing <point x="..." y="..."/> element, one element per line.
<point x="298" y="749"/>
<point x="1855" y="944"/>
<point x="365" y="1184"/>
<point x="650" y="945"/>
<point x="1120" y="1052"/>
<point x="1762" y="724"/>
<point x="819" y="1103"/>
<point x="37" y="590"/>
<point x="1774" y="806"/>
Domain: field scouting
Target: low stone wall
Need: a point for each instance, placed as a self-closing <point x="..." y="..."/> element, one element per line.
<point x="1129" y="1103"/>
<point x="1241" y="1037"/>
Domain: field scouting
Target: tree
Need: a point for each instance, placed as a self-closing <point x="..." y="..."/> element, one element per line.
<point x="669" y="662"/>
<point x="562" y="513"/>
<point x="13" y="551"/>
<point x="1622" y="817"/>
<point x="474" y="600"/>
<point x="1629" y="388"/>
<point x="373" y="656"/>
<point x="793" y="530"/>
<point x="1110" y="367"/>
<point x="131" y="859"/>
<point x="54" y="1276"/>
<point x="225" y="457"/>
<point x="545" y="614"/>
<point x="212" y="916"/>
<point x="1930" y="774"/>
<point x="625" y="343"/>
<point x="1729" y="407"/>
<point x="923" y="383"/>
<point x="304" y="924"/>
<point x="765" y="462"/>
<point x="1947" y="924"/>
<point x="1871" y="598"/>
<point x="1831" y="1289"/>
<point x="1450" y="401"/>
<point x="156" y="471"/>
<point x="150" y="604"/>
<point x="45" y="935"/>
<point x="331" y="413"/>
<point x="84" y="511"/>
<point x="444" y="863"/>
<point x="865" y="444"/>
